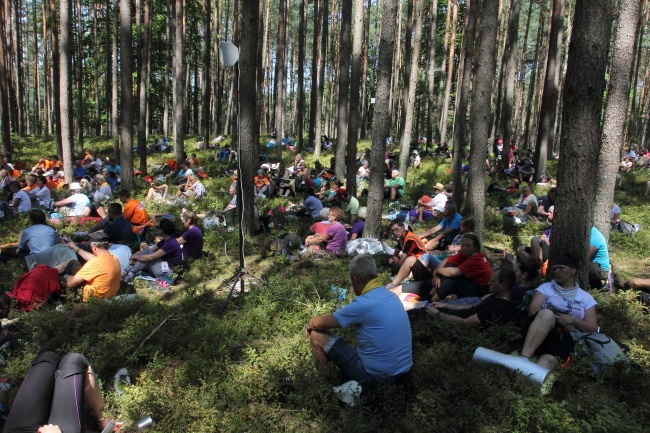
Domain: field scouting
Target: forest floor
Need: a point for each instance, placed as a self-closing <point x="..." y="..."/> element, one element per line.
<point x="201" y="362"/>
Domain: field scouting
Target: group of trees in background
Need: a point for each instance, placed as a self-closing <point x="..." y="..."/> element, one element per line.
<point x="463" y="71"/>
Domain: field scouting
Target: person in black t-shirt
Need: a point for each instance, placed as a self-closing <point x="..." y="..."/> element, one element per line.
<point x="495" y="307"/>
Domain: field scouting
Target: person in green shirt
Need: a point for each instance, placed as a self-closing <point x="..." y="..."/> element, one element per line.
<point x="350" y="206"/>
<point x="394" y="188"/>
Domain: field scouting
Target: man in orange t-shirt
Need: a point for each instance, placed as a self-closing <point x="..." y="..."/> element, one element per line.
<point x="101" y="273"/>
<point x="132" y="209"/>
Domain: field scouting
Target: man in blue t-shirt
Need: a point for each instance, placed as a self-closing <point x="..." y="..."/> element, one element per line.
<point x="599" y="259"/>
<point x="446" y="231"/>
<point x="382" y="328"/>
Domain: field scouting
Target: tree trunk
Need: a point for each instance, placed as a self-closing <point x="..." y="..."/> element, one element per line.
<point x="443" y="74"/>
<point x="409" y="106"/>
<point x="65" y="97"/>
<point x="300" y="121"/>
<point x="21" y="106"/>
<point x="96" y="122"/>
<point x="381" y="118"/>
<point x="168" y="59"/>
<point x="249" y="139"/>
<point x="364" y="70"/>
<point x="126" y="95"/>
<point x="510" y="62"/>
<point x="37" y="81"/>
<point x="532" y="86"/>
<point x="581" y="139"/>
<point x="355" y="89"/>
<point x="178" y="63"/>
<point x="406" y="70"/>
<point x="115" y="131"/>
<point x="318" y="109"/>
<point x="80" y="80"/>
<point x="315" y="53"/>
<point x="56" y="84"/>
<point x="548" y="111"/>
<point x="620" y="71"/>
<point x="7" y="147"/>
<point x="450" y="73"/>
<point x="205" y="71"/>
<point x="480" y="119"/>
<point x="463" y="93"/>
<point x="344" y="84"/>
<point x="431" y="69"/>
<point x="143" y="101"/>
<point x="280" y="76"/>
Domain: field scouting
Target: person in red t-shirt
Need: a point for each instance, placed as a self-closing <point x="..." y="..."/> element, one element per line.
<point x="464" y="274"/>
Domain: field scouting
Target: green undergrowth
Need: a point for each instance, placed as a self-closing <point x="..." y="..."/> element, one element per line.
<point x="200" y="361"/>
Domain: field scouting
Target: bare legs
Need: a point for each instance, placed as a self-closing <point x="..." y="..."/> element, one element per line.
<point x="317" y="341"/>
<point x="544" y="322"/>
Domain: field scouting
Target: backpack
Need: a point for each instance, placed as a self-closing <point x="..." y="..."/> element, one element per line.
<point x="34" y="288"/>
<point x="626" y="228"/>
<point x="600" y="348"/>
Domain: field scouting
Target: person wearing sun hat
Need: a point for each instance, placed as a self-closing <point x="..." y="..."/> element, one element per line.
<point x="73" y="205"/>
<point x="438" y="200"/>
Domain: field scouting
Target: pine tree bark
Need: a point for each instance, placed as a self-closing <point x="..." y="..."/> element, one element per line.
<point x="300" y="121"/>
<point x="450" y="73"/>
<point x="249" y="139"/>
<point x="143" y="101"/>
<point x="280" y="76"/>
<point x="205" y="73"/>
<point x="443" y="75"/>
<point x="65" y="97"/>
<point x="548" y="111"/>
<point x="168" y="59"/>
<point x="510" y="63"/>
<point x="344" y="84"/>
<point x="364" y="71"/>
<point x="79" y="78"/>
<point x="115" y="118"/>
<point x="463" y="93"/>
<point x="313" y="103"/>
<point x="126" y="95"/>
<point x="581" y="138"/>
<point x="530" y="105"/>
<point x="409" y="107"/>
<point x="381" y="117"/>
<point x="618" y="92"/>
<point x="480" y="118"/>
<point x="318" y="111"/>
<point x="56" y="80"/>
<point x="7" y="147"/>
<point x="178" y="64"/>
<point x="406" y="70"/>
<point x="431" y="69"/>
<point x="355" y="89"/>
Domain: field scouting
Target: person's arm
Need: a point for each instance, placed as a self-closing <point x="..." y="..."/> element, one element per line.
<point x="536" y="303"/>
<point x="471" y="321"/>
<point x="148" y="257"/>
<point x="592" y="252"/>
<point x="63" y="202"/>
<point x="82" y="253"/>
<point x="318" y="238"/>
<point x="617" y="218"/>
<point x="431" y="231"/>
<point x="322" y="323"/>
<point x="454" y="307"/>
<point x="73" y="280"/>
<point x="181" y="240"/>
<point x="447" y="271"/>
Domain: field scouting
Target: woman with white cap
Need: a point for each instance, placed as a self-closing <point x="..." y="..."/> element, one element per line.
<point x="73" y="205"/>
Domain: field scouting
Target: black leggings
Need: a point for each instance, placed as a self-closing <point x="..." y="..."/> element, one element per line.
<point x="52" y="393"/>
<point x="461" y="287"/>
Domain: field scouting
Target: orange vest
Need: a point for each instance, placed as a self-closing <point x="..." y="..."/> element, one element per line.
<point x="417" y="246"/>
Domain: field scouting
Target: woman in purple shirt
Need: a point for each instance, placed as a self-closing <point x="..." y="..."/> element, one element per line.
<point x="192" y="239"/>
<point x="333" y="241"/>
<point x="159" y="259"/>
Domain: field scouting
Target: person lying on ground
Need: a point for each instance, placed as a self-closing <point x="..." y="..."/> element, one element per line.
<point x="466" y="274"/>
<point x="333" y="241"/>
<point x="37" y="237"/>
<point x="158" y="259"/>
<point x="52" y="396"/>
<point x="100" y="274"/>
<point x="191" y="241"/>
<point x="382" y="328"/>
<point x="445" y="231"/>
<point x="557" y="309"/>
<point x="494" y="307"/>
<point x="408" y="244"/>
